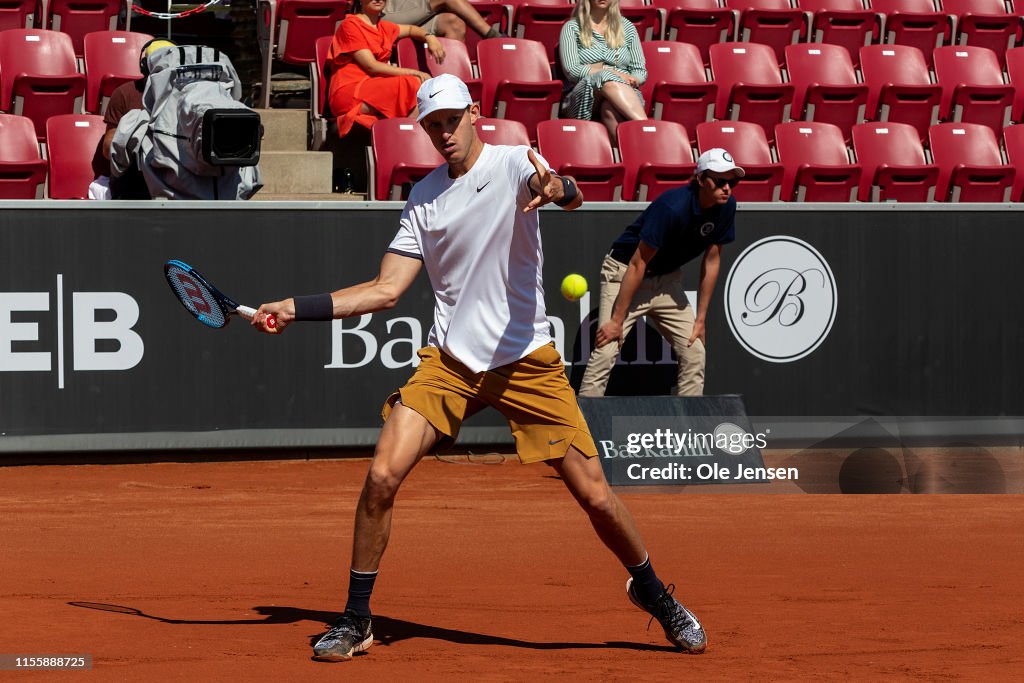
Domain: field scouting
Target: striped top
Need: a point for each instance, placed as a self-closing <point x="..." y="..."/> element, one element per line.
<point x="576" y="60"/>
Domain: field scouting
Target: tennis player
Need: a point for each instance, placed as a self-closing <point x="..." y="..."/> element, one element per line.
<point x="472" y="223"/>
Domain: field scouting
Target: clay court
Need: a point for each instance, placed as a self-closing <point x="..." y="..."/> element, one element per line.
<point x="223" y="570"/>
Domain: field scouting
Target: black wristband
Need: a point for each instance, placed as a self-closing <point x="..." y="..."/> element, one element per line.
<point x="314" y="307"/>
<point x="569" y="187"/>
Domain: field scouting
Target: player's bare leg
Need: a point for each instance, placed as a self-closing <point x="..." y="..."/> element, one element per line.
<point x="615" y="526"/>
<point x="405" y="439"/>
<point x="611" y="519"/>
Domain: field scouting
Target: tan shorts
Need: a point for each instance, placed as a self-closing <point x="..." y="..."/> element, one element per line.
<point x="412" y="12"/>
<point x="532" y="393"/>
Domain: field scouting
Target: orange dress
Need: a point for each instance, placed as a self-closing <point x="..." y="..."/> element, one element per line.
<point x="350" y="86"/>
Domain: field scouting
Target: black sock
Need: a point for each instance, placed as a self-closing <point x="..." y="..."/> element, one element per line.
<point x="360" y="586"/>
<point x="646" y="584"/>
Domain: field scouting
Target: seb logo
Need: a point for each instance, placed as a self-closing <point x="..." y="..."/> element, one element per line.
<point x="100" y="334"/>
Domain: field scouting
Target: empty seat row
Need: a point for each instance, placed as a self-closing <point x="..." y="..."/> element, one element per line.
<point x="810" y="161"/>
<point x="76" y="18"/>
<point x="66" y="172"/>
<point x="39" y="75"/>
<point x="894" y="84"/>
<point x="849" y="23"/>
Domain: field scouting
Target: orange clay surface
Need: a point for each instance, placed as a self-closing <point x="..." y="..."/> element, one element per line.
<point x="225" y="571"/>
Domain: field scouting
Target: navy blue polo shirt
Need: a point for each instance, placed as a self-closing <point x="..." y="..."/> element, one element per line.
<point x="675" y="225"/>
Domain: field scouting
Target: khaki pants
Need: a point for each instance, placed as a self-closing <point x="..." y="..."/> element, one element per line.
<point x="664" y="303"/>
<point x="412" y="12"/>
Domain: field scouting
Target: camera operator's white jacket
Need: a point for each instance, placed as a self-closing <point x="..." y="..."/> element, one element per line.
<point x="164" y="140"/>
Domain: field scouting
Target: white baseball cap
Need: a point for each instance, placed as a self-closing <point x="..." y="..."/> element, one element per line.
<point x="442" y="92"/>
<point x="719" y="161"/>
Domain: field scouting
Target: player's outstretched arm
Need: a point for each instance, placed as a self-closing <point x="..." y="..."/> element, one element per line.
<point x="396" y="275"/>
<point x="548" y="187"/>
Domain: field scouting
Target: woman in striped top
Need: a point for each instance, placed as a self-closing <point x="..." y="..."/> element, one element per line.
<point x="603" y="65"/>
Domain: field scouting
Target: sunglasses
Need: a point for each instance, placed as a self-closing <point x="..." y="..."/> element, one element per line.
<point x="721" y="182"/>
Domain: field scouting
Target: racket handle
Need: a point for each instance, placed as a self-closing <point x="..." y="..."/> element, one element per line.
<point x="249" y="313"/>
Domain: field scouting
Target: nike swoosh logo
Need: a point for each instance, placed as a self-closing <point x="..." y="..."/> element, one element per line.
<point x="552" y="443"/>
<point x="434" y="93"/>
<point x="483" y="186"/>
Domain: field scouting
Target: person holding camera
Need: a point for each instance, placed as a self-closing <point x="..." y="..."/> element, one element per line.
<point x="125" y="98"/>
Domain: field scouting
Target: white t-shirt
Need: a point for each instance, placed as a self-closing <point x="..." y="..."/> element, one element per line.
<point x="483" y="256"/>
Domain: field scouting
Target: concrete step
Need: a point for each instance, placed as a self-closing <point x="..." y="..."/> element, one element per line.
<point x="296" y="172"/>
<point x="285" y="130"/>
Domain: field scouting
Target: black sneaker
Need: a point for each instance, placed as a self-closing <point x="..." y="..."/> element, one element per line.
<point x="350" y="634"/>
<point x="681" y="626"/>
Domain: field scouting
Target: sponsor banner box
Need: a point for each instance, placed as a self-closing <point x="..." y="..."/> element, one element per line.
<point x="674" y="440"/>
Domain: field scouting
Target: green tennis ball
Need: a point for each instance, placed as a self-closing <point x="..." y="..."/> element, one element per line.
<point x="573" y="287"/>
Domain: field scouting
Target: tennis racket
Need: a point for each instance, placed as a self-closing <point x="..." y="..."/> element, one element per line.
<point x="208" y="304"/>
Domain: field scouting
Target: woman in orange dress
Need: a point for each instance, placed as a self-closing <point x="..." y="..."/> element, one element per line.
<point x="364" y="86"/>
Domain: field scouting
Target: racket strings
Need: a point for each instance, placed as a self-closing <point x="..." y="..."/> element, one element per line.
<point x="199" y="300"/>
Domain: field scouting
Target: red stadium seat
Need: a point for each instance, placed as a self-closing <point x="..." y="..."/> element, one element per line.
<point x="984" y="23"/>
<point x="699" y="22"/>
<point x="770" y="22"/>
<point x="401" y="154"/>
<point x="1015" y="71"/>
<point x="20" y="14"/>
<point x="677" y="88"/>
<point x="972" y="86"/>
<point x="748" y="145"/>
<point x="899" y="86"/>
<point x="39" y="75"/>
<point x="843" y="22"/>
<point x="71" y="140"/>
<point x="22" y="169"/>
<point x="517" y="82"/>
<point x="582" y="149"/>
<point x="111" y="58"/>
<point x="502" y="132"/>
<point x="750" y="86"/>
<point x="1013" y="142"/>
<point x="287" y="30"/>
<point x="893" y="164"/>
<point x="915" y="23"/>
<point x="656" y="156"/>
<point x="319" y="111"/>
<point x="825" y="86"/>
<point x="647" y="19"/>
<point x="970" y="165"/>
<point x="540" y="20"/>
<point x="413" y="55"/>
<point x="816" y="163"/>
<point x="77" y="18"/>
